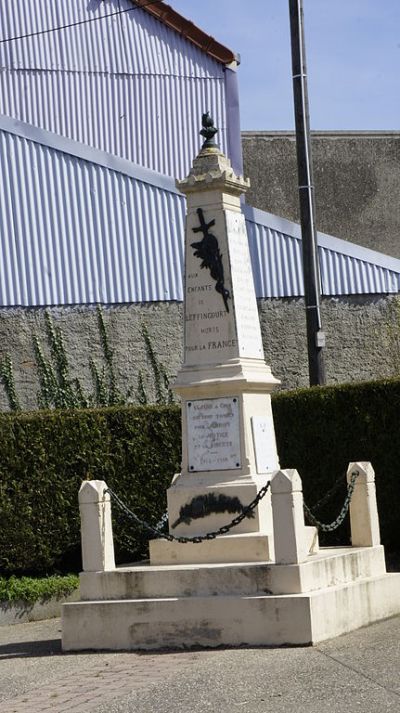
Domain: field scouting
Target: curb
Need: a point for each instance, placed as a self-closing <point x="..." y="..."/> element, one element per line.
<point x="21" y="612"/>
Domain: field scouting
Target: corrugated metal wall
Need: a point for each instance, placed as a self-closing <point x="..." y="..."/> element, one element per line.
<point x="345" y="268"/>
<point x="78" y="226"/>
<point x="127" y="84"/>
<point x="74" y="232"/>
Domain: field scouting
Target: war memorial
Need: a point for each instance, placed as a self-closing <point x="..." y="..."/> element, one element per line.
<point x="239" y="566"/>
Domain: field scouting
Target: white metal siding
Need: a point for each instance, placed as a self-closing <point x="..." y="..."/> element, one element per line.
<point x="153" y="121"/>
<point x="73" y="232"/>
<point x="345" y="268"/>
<point x="133" y="42"/>
<point x="78" y="226"/>
<point x="127" y="85"/>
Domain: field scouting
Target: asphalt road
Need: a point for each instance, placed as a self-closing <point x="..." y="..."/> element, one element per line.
<point x="355" y="672"/>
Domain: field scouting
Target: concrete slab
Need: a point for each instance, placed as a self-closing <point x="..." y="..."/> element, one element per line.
<point x="258" y="620"/>
<point x="246" y="547"/>
<point x="19" y="612"/>
<point x="329" y="567"/>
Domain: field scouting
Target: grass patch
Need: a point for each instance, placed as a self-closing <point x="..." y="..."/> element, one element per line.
<point x="32" y="589"/>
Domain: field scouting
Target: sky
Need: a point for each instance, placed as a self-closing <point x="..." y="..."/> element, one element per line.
<point x="353" y="60"/>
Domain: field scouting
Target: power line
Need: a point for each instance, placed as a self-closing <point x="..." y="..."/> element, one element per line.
<point x="76" y="24"/>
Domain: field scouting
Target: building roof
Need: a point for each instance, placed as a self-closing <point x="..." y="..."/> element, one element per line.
<point x="176" y="21"/>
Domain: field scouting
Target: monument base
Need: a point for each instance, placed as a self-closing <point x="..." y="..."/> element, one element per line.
<point x="154" y="607"/>
<point x="249" y="547"/>
<point x="203" y="491"/>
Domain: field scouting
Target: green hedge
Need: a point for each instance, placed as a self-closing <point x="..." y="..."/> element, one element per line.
<point x="44" y="456"/>
<point x="320" y="430"/>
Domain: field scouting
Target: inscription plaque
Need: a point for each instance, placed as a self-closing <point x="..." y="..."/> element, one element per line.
<point x="264" y="444"/>
<point x="213" y="434"/>
<point x="247" y="321"/>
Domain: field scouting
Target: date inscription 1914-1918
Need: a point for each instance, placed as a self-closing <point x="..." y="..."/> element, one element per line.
<point x="209" y="253"/>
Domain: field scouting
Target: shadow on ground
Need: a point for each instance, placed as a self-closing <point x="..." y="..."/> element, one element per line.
<point x="28" y="649"/>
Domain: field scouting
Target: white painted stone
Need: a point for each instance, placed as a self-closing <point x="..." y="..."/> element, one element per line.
<point x="240" y="588"/>
<point x="209" y="324"/>
<point x="364" y="519"/>
<point x="223" y="358"/>
<point x="249" y="547"/>
<point x="241" y="491"/>
<point x="294" y="541"/>
<point x="329" y="568"/>
<point x="182" y="622"/>
<point x="144" y="581"/>
<point x="341" y="609"/>
<point x="264" y="444"/>
<point x="256" y="620"/>
<point x="245" y="304"/>
<point x="96" y="526"/>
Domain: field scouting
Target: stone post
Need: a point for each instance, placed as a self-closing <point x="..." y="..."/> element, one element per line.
<point x="364" y="520"/>
<point x="294" y="541"/>
<point x="96" y="527"/>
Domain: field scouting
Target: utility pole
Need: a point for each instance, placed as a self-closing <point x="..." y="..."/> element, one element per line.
<point x="315" y="335"/>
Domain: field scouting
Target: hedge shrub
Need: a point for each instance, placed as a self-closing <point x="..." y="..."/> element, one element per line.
<point x="44" y="456"/>
<point x="321" y="429"/>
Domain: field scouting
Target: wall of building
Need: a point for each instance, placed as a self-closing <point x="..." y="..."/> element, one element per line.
<point x="362" y="341"/>
<point x="356" y="177"/>
<point x="127" y="85"/>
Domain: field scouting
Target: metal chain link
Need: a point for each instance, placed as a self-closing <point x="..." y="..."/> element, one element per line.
<point x="200" y="538"/>
<point x="334" y="489"/>
<point x="335" y="524"/>
<point x="245" y="512"/>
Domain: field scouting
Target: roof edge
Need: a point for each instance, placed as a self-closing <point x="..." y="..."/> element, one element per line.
<point x="166" y="183"/>
<point x="324" y="240"/>
<point x="71" y="147"/>
<point x="187" y="28"/>
<point x="329" y="134"/>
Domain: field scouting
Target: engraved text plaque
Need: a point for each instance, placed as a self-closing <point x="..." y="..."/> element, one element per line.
<point x="213" y="434"/>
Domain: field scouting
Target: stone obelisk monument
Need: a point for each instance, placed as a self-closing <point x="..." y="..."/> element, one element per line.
<point x="213" y="592"/>
<point x="228" y="439"/>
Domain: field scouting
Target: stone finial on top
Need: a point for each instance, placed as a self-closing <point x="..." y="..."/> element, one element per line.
<point x="211" y="169"/>
<point x="208" y="131"/>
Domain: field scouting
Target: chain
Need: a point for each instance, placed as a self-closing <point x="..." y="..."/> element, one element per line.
<point x="245" y="512"/>
<point x="335" y="524"/>
<point x="335" y="487"/>
<point x="200" y="538"/>
<point x="162" y="521"/>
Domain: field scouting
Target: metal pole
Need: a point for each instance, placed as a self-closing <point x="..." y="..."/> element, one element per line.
<point x="315" y="336"/>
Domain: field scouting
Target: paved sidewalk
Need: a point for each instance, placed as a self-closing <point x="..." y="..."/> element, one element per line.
<point x="356" y="672"/>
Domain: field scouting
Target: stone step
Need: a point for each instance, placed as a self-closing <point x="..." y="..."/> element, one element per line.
<point x="330" y="567"/>
<point x="226" y="549"/>
<point x="258" y="620"/>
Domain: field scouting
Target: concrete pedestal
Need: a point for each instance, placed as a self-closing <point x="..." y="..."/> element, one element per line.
<point x="249" y="547"/>
<point x="148" y="607"/>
